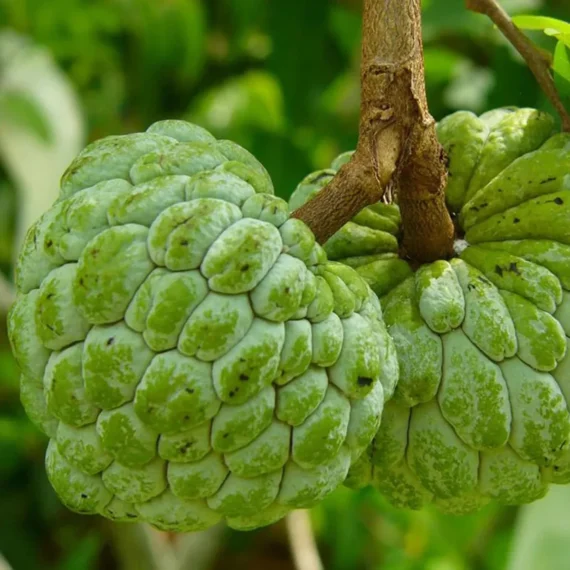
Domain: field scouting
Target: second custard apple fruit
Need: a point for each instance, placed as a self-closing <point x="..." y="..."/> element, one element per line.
<point x="481" y="410"/>
<point x="188" y="349"/>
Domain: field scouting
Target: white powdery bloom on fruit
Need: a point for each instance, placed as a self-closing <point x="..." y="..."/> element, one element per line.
<point x="481" y="409"/>
<point x="187" y="347"/>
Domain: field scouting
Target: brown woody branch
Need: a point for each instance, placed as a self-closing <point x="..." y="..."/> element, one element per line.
<point x="397" y="151"/>
<point x="536" y="61"/>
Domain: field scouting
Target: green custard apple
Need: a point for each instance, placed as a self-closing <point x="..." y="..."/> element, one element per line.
<point x="481" y="409"/>
<point x="186" y="346"/>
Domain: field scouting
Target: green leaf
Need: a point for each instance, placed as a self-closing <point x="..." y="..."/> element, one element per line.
<point x="561" y="67"/>
<point x="19" y="108"/>
<point x="550" y="26"/>
<point x="561" y="62"/>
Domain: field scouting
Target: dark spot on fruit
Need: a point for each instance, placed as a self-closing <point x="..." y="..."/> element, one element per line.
<point x="189" y="390"/>
<point x="474" y="208"/>
<point x="81" y="282"/>
<point x="516" y="220"/>
<point x="95" y="252"/>
<point x="484" y="204"/>
<point x="83" y="496"/>
<point x="241" y="359"/>
<point x="287" y="290"/>
<point x="110" y="341"/>
<point x="244" y="267"/>
<point x="364" y="381"/>
<point x="514" y="268"/>
<point x="551" y="179"/>
<point x="186" y="417"/>
<point x="184" y="242"/>
<point x="131" y="516"/>
<point x="226" y="435"/>
<point x="471" y="287"/>
<point x="49" y="243"/>
<point x="499" y="270"/>
<point x="558" y="201"/>
<point x="499" y="190"/>
<point x="232" y="394"/>
<point x="50" y="295"/>
<point x="50" y="327"/>
<point x="244" y="377"/>
<point x="185" y="447"/>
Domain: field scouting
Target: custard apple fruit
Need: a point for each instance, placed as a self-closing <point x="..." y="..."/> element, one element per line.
<point x="186" y="346"/>
<point x="481" y="411"/>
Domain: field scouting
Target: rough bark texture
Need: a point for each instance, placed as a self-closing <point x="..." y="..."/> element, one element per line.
<point x="397" y="151"/>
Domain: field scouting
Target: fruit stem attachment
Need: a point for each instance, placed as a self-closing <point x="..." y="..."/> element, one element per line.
<point x="535" y="60"/>
<point x="397" y="152"/>
<point x="302" y="541"/>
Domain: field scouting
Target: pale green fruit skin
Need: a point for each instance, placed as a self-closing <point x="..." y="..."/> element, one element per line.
<point x="188" y="349"/>
<point x="481" y="410"/>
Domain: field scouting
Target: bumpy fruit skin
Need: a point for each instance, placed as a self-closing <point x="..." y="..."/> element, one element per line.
<point x="480" y="411"/>
<point x="188" y="349"/>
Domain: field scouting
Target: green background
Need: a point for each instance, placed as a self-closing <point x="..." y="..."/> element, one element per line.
<point x="281" y="78"/>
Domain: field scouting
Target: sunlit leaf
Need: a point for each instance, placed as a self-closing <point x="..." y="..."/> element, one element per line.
<point x="550" y="26"/>
<point x="561" y="67"/>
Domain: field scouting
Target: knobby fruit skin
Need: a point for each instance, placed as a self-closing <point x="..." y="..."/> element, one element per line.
<point x="480" y="411"/>
<point x="188" y="349"/>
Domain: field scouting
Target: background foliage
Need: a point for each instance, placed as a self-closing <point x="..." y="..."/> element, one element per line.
<point x="281" y="78"/>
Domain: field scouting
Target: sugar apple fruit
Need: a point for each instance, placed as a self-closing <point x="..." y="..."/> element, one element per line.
<point x="186" y="346"/>
<point x="480" y="412"/>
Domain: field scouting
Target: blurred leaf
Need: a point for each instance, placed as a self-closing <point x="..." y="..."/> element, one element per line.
<point x="346" y="27"/>
<point x="33" y="166"/>
<point x="250" y="101"/>
<point x="441" y="64"/>
<point x="83" y="554"/>
<point x="301" y="57"/>
<point x="542" y="533"/>
<point x="469" y="87"/>
<point x="21" y="110"/>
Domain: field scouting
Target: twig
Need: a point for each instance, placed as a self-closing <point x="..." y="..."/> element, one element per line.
<point x="535" y="60"/>
<point x="397" y="149"/>
<point x="302" y="541"/>
<point x="7" y="294"/>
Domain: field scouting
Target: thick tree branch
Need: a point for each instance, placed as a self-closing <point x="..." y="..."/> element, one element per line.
<point x="535" y="60"/>
<point x="397" y="151"/>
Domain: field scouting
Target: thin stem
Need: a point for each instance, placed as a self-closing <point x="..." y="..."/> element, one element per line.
<point x="302" y="541"/>
<point x="397" y="151"/>
<point x="535" y="60"/>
